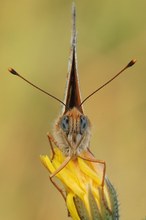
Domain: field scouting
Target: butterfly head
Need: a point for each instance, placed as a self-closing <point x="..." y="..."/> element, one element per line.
<point x="72" y="132"/>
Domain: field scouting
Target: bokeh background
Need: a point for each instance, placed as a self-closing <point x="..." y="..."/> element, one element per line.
<point x="35" y="40"/>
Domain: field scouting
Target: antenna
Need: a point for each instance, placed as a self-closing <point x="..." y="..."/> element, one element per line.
<point x="131" y="63"/>
<point x="17" y="74"/>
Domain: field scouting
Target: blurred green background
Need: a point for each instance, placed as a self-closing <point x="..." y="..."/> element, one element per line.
<point x="35" y="40"/>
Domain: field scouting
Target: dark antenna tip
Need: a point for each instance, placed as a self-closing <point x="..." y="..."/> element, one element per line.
<point x="131" y="63"/>
<point x="11" y="70"/>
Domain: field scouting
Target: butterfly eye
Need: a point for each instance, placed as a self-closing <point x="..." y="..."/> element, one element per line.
<point x="83" y="123"/>
<point x="65" y="123"/>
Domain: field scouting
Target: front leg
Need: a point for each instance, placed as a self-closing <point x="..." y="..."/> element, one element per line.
<point x="51" y="140"/>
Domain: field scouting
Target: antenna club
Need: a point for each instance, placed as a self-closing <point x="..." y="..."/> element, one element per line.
<point x="131" y="63"/>
<point x="11" y="70"/>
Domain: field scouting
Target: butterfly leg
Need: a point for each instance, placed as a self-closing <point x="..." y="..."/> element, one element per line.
<point x="92" y="159"/>
<point x="103" y="177"/>
<point x="66" y="161"/>
<point x="51" y="139"/>
<point x="58" y="188"/>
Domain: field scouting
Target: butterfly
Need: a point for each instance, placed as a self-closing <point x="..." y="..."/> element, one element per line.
<point x="72" y="130"/>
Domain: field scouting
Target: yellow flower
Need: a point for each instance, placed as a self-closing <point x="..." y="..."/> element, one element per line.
<point x="85" y="196"/>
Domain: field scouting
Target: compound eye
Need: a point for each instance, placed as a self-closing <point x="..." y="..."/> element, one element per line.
<point x="83" y="123"/>
<point x="65" y="123"/>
